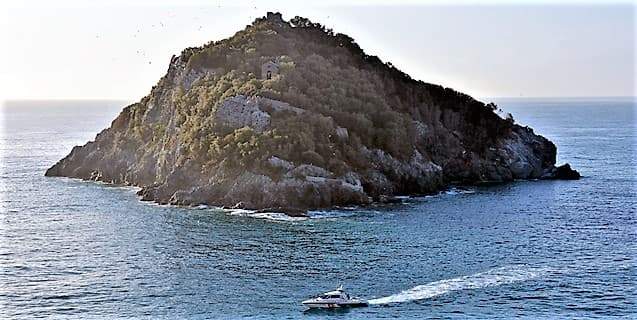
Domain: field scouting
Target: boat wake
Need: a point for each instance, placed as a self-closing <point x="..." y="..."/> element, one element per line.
<point x="490" y="278"/>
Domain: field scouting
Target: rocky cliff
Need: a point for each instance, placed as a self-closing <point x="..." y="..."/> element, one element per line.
<point x="289" y="116"/>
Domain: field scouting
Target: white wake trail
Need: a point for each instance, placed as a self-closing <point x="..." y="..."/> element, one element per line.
<point x="490" y="278"/>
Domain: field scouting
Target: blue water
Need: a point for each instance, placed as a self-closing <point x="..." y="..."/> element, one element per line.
<point x="529" y="249"/>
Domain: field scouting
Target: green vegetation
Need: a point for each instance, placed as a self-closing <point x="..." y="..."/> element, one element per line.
<point x="326" y="74"/>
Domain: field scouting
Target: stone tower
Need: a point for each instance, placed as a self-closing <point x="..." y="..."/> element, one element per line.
<point x="269" y="69"/>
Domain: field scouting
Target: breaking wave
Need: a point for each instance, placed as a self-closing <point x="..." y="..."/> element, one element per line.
<point x="333" y="214"/>
<point x="490" y="278"/>
<point x="459" y="190"/>
<point x="273" y="216"/>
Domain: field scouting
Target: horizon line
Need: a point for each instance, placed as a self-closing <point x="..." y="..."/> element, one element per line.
<point x="475" y="97"/>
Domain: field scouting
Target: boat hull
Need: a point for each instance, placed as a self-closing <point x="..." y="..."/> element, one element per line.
<point x="327" y="305"/>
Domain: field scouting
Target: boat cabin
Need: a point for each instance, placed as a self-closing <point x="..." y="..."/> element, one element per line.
<point x="338" y="294"/>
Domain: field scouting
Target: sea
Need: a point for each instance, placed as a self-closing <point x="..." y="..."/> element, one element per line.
<point x="72" y="249"/>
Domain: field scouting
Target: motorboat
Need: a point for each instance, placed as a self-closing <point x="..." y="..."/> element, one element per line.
<point x="334" y="299"/>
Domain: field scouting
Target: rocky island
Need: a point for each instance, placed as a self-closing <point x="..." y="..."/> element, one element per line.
<point x="289" y="116"/>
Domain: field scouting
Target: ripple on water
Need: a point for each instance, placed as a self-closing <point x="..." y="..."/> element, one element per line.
<point x="536" y="249"/>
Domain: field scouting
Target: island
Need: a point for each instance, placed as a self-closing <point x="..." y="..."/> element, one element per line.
<point x="289" y="116"/>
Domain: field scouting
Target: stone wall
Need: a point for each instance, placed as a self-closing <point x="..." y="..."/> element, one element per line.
<point x="271" y="67"/>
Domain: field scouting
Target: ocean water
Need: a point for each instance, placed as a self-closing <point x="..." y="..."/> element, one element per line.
<point x="528" y="249"/>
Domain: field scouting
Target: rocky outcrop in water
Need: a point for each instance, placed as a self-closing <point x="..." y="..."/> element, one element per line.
<point x="326" y="125"/>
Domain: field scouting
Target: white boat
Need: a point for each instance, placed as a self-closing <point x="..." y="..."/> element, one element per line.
<point x="334" y="299"/>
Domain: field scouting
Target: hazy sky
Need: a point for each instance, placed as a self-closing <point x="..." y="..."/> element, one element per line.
<point x="120" y="49"/>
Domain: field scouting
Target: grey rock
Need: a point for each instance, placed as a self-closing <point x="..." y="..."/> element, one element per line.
<point x="240" y="111"/>
<point x="306" y="170"/>
<point x="279" y="163"/>
<point x="563" y="172"/>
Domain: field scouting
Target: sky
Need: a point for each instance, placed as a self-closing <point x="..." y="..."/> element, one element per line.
<point x="119" y="49"/>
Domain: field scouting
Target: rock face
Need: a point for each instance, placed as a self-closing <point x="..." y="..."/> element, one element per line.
<point x="241" y="111"/>
<point x="335" y="127"/>
<point x="563" y="172"/>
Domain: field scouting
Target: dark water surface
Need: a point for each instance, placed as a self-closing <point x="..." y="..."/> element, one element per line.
<point x="530" y="249"/>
